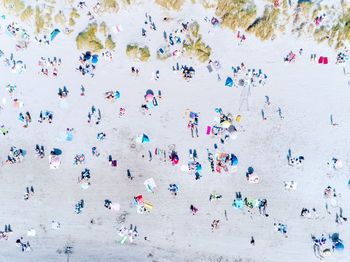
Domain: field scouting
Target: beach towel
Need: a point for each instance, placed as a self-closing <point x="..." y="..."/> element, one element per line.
<point x="325" y="60"/>
<point x="320" y="60"/>
<point x="187" y="113"/>
<point x="208" y="130"/>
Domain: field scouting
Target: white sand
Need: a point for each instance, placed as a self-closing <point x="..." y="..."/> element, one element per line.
<point x="306" y="92"/>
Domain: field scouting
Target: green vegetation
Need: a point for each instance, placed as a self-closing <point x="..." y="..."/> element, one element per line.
<point x="27" y="14"/>
<point x="39" y="20"/>
<point x="165" y="55"/>
<point x="60" y="19"/>
<point x="236" y="13"/>
<point x="109" y="43"/>
<point x="171" y="4"/>
<point x="73" y="14"/>
<point x="141" y="54"/>
<point x="103" y="29"/>
<point x="264" y="27"/>
<point x="88" y="41"/>
<point x="15" y="6"/>
<point x="194" y="45"/>
<point x="110" y="6"/>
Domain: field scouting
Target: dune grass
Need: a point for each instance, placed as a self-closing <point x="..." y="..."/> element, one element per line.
<point x="171" y="4"/>
<point x="236" y="13"/>
<point x="87" y="40"/>
<point x="208" y="4"/>
<point x="60" y="19"/>
<point x="73" y="14"/>
<point x="165" y="55"/>
<point x="39" y="21"/>
<point x="110" y="6"/>
<point x="194" y="45"/>
<point x="137" y="53"/>
<point x="103" y="29"/>
<point x="264" y="27"/>
<point x="13" y="6"/>
<point x="109" y="43"/>
<point x="27" y="15"/>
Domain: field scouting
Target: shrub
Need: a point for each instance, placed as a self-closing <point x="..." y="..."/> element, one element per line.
<point x="171" y="4"/>
<point x="60" y="19"/>
<point x="27" y="14"/>
<point x="109" y="43"/>
<point x="264" y="27"/>
<point x="39" y="21"/>
<point x="194" y="45"/>
<point x="138" y="53"/>
<point x="88" y="41"/>
<point x="110" y="6"/>
<point x="236" y="13"/>
<point x="103" y="29"/>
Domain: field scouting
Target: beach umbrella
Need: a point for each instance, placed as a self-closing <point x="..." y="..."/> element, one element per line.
<point x="87" y="55"/>
<point x="234" y="160"/>
<point x="56" y="152"/>
<point x="238" y="118"/>
<point x="94" y="59"/>
<point x="250" y="170"/>
<point x="149" y="97"/>
<point x="335" y="237"/>
<point x="339" y="246"/>
<point x="117" y="94"/>
<point x="225" y="124"/>
<point x="229" y="82"/>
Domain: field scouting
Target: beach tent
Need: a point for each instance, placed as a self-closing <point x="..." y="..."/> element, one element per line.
<point x="54" y="33"/>
<point x="145" y="139"/>
<point x="229" y="82"/>
<point x="142" y="139"/>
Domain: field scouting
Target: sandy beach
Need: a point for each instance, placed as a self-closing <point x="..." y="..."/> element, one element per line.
<point x="306" y="93"/>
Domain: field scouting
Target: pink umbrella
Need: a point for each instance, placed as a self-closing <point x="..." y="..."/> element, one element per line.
<point x="149" y="97"/>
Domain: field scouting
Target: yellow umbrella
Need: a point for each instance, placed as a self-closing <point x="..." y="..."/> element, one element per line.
<point x="225" y="124"/>
<point x="238" y="118"/>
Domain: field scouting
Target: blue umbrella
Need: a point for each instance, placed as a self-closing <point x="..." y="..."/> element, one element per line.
<point x="339" y="246"/>
<point x="87" y="55"/>
<point x="250" y="170"/>
<point x="229" y="82"/>
<point x="94" y="59"/>
<point x="234" y="160"/>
